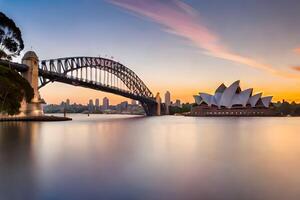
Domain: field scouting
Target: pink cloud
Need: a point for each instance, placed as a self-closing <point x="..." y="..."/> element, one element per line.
<point x="297" y="50"/>
<point x="181" y="19"/>
<point x="297" y="68"/>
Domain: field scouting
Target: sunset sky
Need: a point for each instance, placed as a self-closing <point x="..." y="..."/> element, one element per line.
<point x="181" y="46"/>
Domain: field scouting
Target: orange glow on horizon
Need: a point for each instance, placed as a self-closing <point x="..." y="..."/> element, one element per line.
<point x="82" y="95"/>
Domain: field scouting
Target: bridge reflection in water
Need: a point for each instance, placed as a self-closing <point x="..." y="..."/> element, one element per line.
<point x="126" y="157"/>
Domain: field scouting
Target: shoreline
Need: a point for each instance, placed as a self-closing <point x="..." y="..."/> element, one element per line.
<point x="35" y="119"/>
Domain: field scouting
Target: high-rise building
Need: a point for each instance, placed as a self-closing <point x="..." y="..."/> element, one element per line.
<point x="124" y="106"/>
<point x="177" y="103"/>
<point x="97" y="105"/>
<point x="91" y="106"/>
<point x="68" y="102"/>
<point x="133" y="102"/>
<point x="167" y="102"/>
<point x="105" y="105"/>
<point x="158" y="101"/>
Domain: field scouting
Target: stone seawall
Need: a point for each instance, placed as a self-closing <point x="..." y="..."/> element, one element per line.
<point x="235" y="112"/>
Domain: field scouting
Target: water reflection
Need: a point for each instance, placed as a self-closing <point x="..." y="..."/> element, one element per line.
<point x="122" y="157"/>
<point x="17" y="173"/>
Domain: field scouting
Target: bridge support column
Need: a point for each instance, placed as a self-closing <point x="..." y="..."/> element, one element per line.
<point x="153" y="108"/>
<point x="158" y="104"/>
<point x="34" y="108"/>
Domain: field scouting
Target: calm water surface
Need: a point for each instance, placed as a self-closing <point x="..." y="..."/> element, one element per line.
<point x="127" y="157"/>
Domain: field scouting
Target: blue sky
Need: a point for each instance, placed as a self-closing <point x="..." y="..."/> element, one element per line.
<point x="253" y="41"/>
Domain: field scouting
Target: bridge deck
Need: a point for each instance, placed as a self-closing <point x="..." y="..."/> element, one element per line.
<point x="53" y="76"/>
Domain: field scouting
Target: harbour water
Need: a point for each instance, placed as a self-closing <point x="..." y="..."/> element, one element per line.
<point x="134" y="157"/>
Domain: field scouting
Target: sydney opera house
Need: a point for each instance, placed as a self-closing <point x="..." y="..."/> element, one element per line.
<point x="232" y="101"/>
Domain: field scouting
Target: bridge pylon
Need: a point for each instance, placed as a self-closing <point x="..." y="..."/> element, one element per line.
<point x="158" y="104"/>
<point x="34" y="108"/>
<point x="153" y="108"/>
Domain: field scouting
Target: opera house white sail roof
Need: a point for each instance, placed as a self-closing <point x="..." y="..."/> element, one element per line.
<point x="233" y="96"/>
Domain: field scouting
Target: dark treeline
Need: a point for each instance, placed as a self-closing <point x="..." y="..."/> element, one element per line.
<point x="286" y="108"/>
<point x="185" y="108"/>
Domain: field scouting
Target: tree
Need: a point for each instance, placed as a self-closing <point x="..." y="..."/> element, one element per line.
<point x="13" y="89"/>
<point x="184" y="109"/>
<point x="285" y="108"/>
<point x="297" y="111"/>
<point x="11" y="42"/>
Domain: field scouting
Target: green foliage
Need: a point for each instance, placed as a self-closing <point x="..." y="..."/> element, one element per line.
<point x="11" y="42"/>
<point x="13" y="88"/>
<point x="285" y="108"/>
<point x="184" y="109"/>
<point x="297" y="111"/>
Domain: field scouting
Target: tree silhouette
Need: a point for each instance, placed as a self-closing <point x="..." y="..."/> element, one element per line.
<point x="13" y="89"/>
<point x="11" y="42"/>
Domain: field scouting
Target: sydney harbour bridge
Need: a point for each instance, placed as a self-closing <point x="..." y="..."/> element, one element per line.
<point x="95" y="73"/>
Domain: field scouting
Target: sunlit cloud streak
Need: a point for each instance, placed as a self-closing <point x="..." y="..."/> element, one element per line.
<point x="181" y="19"/>
<point x="297" y="50"/>
<point x="297" y="68"/>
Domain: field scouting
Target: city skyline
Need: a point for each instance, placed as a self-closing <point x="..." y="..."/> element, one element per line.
<point x="105" y="100"/>
<point x="149" y="99"/>
<point x="186" y="57"/>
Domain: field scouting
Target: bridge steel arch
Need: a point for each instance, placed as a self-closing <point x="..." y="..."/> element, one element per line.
<point x="99" y="74"/>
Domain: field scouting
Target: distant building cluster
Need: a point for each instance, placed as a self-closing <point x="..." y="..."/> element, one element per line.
<point x="226" y="101"/>
<point x="232" y="100"/>
<point x="104" y="106"/>
<point x="91" y="107"/>
<point x="169" y="105"/>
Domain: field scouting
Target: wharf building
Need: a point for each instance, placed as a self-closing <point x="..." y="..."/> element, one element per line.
<point x="232" y="101"/>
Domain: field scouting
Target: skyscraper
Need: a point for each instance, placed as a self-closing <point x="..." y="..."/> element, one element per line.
<point x="123" y="106"/>
<point x="177" y="103"/>
<point x="67" y="102"/>
<point x="133" y="102"/>
<point x="91" y="106"/>
<point x="97" y="105"/>
<point x="105" y="103"/>
<point x="158" y="101"/>
<point x="167" y="102"/>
